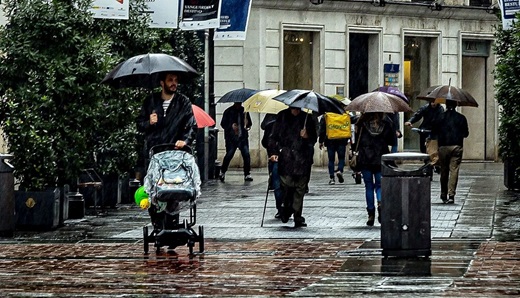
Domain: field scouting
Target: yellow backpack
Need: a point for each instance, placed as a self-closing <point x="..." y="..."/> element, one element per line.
<point x="337" y="126"/>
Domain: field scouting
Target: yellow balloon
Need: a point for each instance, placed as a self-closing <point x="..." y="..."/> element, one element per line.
<point x="144" y="204"/>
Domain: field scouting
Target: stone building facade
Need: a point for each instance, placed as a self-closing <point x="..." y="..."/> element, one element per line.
<point x="352" y="47"/>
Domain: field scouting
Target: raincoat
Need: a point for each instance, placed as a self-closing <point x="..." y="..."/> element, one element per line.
<point x="177" y="124"/>
<point x="295" y="154"/>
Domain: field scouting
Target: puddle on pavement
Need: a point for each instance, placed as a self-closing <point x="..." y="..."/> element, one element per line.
<point x="449" y="259"/>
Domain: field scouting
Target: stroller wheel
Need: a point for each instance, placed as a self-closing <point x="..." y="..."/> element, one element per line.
<point x="201" y="239"/>
<point x="145" y="239"/>
<point x="191" y="244"/>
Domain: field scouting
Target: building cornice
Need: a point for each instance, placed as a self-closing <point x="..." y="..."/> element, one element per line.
<point x="385" y="8"/>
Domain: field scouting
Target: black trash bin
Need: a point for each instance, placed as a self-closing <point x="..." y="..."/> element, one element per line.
<point x="406" y="204"/>
<point x="7" y="212"/>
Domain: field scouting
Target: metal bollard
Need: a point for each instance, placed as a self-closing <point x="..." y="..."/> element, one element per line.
<point x="7" y="212"/>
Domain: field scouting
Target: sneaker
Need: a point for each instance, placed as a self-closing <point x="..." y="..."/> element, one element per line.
<point x="331" y="181"/>
<point x="300" y="224"/>
<point x="277" y="215"/>
<point x="451" y="200"/>
<point x="340" y="177"/>
<point x="444" y="199"/>
<point x="248" y="178"/>
<point x="222" y="177"/>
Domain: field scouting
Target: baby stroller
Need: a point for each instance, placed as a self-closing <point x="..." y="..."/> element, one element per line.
<point x="172" y="183"/>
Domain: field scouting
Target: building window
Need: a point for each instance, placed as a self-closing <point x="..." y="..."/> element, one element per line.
<point x="299" y="60"/>
<point x="485" y="3"/>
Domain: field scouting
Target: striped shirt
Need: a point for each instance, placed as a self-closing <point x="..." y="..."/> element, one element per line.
<point x="165" y="105"/>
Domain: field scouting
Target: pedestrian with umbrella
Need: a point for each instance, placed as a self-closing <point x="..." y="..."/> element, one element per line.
<point x="166" y="116"/>
<point x="236" y="124"/>
<point x="449" y="128"/>
<point x="290" y="144"/>
<point x="374" y="134"/>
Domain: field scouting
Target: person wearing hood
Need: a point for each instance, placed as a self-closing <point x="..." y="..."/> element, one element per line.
<point x="375" y="134"/>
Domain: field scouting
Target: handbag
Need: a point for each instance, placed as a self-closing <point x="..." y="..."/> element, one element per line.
<point x="353" y="160"/>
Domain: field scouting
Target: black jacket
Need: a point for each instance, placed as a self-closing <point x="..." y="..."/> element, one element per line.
<point x="373" y="143"/>
<point x="177" y="125"/>
<point x="235" y="115"/>
<point x="450" y="128"/>
<point x="295" y="154"/>
<point x="427" y="113"/>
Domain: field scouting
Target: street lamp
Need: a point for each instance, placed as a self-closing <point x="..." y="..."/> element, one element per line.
<point x="316" y="2"/>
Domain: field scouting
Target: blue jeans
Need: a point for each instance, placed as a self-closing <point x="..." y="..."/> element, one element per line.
<point x="341" y="150"/>
<point x="372" y="184"/>
<point x="275" y="183"/>
<point x="231" y="148"/>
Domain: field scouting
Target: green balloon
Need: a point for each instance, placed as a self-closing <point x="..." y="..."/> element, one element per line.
<point x="139" y="195"/>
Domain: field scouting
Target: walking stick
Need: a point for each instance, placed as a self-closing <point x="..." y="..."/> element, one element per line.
<point x="266" y="196"/>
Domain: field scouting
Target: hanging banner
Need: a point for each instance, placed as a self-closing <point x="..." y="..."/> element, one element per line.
<point x="200" y="14"/>
<point x="110" y="9"/>
<point x="508" y="8"/>
<point x="164" y="13"/>
<point x="234" y="17"/>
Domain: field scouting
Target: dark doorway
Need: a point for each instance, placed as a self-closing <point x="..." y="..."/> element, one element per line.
<point x="358" y="64"/>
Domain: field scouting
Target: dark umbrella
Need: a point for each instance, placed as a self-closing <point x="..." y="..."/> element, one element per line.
<point x="441" y="93"/>
<point x="308" y="99"/>
<point x="237" y="95"/>
<point x="144" y="70"/>
<point x="394" y="91"/>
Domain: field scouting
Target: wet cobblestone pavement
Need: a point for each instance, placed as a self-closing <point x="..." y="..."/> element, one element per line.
<point x="475" y="248"/>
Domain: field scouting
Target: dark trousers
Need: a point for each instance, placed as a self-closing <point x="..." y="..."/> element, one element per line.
<point x="332" y="150"/>
<point x="275" y="183"/>
<point x="231" y="148"/>
<point x="293" y="191"/>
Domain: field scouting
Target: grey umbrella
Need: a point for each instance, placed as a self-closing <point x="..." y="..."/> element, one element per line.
<point x="144" y="70"/>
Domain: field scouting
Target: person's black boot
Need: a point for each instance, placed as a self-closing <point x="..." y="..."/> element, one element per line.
<point x="371" y="217"/>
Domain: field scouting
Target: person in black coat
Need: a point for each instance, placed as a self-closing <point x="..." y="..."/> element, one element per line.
<point x="291" y="145"/>
<point x="375" y="133"/>
<point x="274" y="178"/>
<point x="427" y="113"/>
<point x="166" y="117"/>
<point x="450" y="128"/>
<point x="236" y="124"/>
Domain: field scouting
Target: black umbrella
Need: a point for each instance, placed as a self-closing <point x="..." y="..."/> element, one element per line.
<point x="237" y="95"/>
<point x="314" y="101"/>
<point x="144" y="70"/>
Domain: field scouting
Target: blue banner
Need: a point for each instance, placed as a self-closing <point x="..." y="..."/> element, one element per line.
<point x="508" y="8"/>
<point x="234" y="17"/>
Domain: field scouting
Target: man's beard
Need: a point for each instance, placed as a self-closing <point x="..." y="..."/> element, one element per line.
<point x="169" y="91"/>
